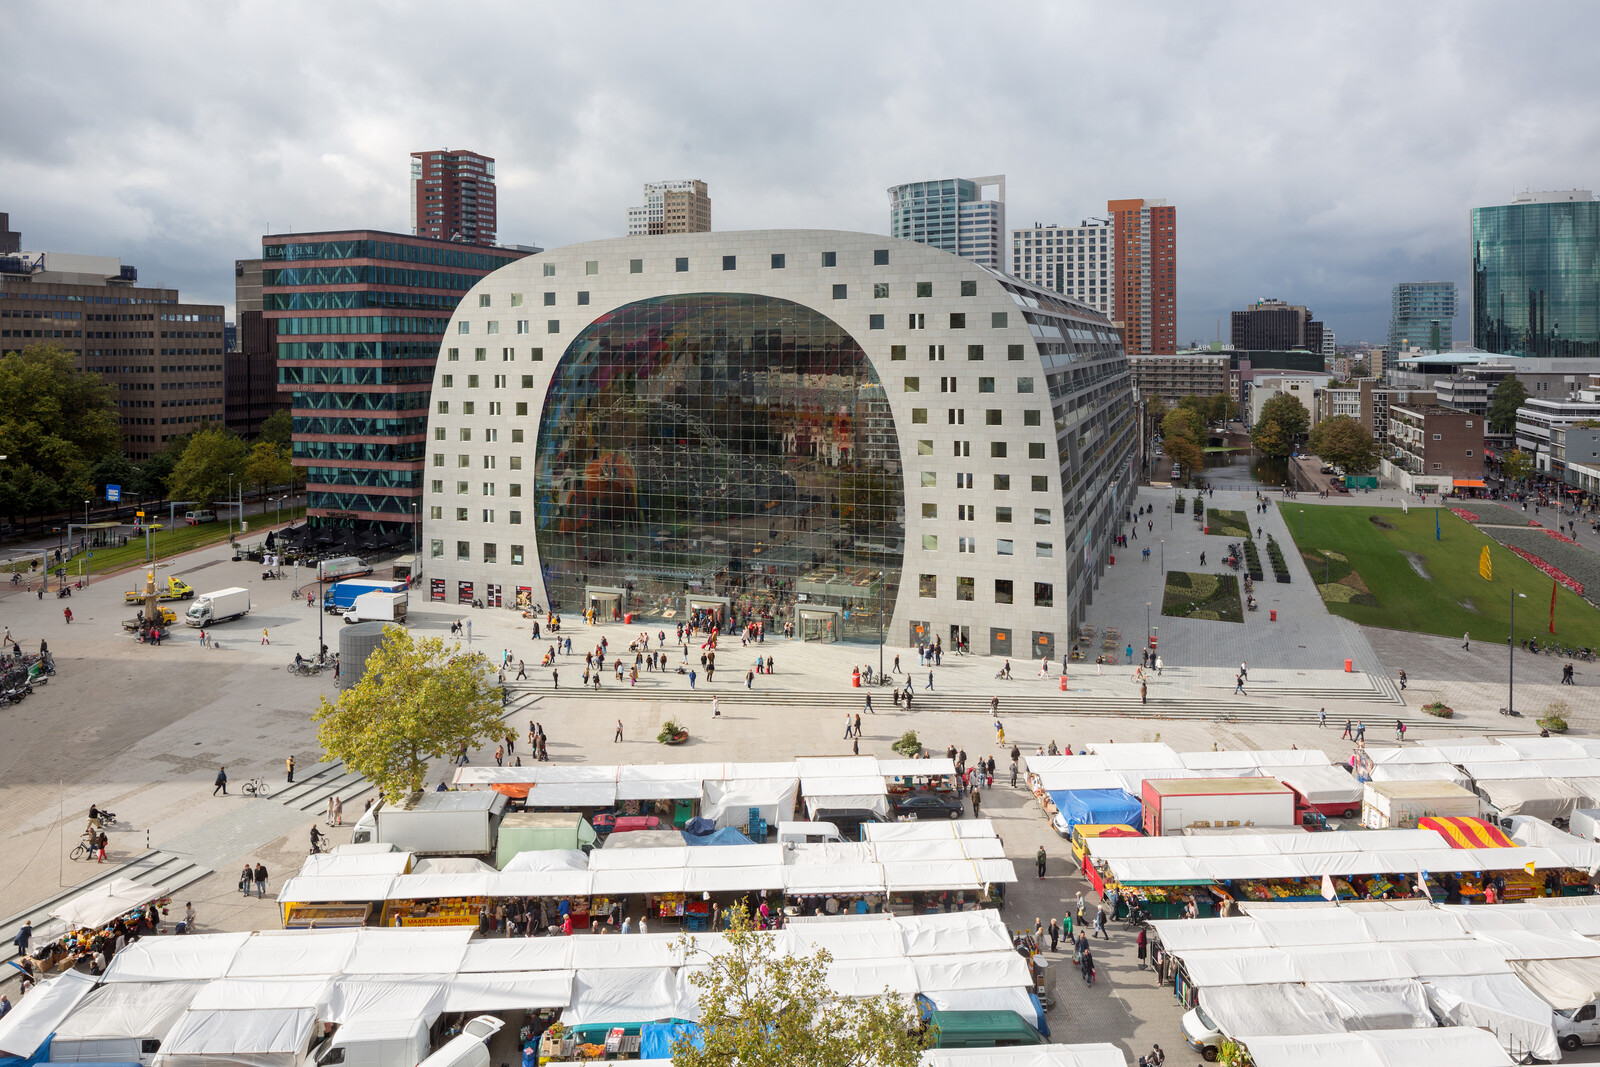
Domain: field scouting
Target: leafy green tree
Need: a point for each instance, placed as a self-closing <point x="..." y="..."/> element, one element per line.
<point x="56" y="423"/>
<point x="1270" y="440"/>
<point x="1503" y="404"/>
<point x="1345" y="443"/>
<point x="267" y="464"/>
<point x="113" y="469"/>
<point x="1183" y="422"/>
<point x="1517" y="465"/>
<point x="1291" y="416"/>
<point x="211" y="462"/>
<point x="760" y="1007"/>
<point x="1218" y="407"/>
<point x="156" y="471"/>
<point x="418" y="700"/>
<point x="277" y="429"/>
<point x="1186" y="453"/>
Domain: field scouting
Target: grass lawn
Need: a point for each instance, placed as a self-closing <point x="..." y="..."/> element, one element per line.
<point x="1202" y="596"/>
<point x="1226" y="523"/>
<point x="165" y="544"/>
<point x="1369" y="579"/>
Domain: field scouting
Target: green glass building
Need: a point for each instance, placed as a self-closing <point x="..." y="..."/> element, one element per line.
<point x="1536" y="275"/>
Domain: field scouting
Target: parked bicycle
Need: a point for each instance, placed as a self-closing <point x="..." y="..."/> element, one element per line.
<point x="256" y="787"/>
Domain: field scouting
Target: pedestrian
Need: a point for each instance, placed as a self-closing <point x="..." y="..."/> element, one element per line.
<point x="750" y="678"/>
<point x="1100" y="923"/>
<point x="976" y="801"/>
<point x="1466" y="639"/>
<point x="1238" y="685"/>
<point x="618" y="736"/>
<point x="1399" y="730"/>
<point x="221" y="785"/>
<point x="260" y="878"/>
<point x="327" y="816"/>
<point x="930" y="680"/>
<point x="1402" y="679"/>
<point x="1055" y="933"/>
<point x="716" y="712"/>
<point x="858" y="724"/>
<point x="1244" y="672"/>
<point x="338" y="810"/>
<point x="499" y="755"/>
<point x="1322" y="718"/>
<point x="1361" y="732"/>
<point x="246" y="878"/>
<point x="555" y="677"/>
<point x="1039" y="859"/>
<point x="522" y="670"/>
<point x="691" y="678"/>
<point x="869" y="705"/>
<point x="849" y="726"/>
<point x="1566" y="674"/>
<point x="264" y="640"/>
<point x="1144" y="947"/>
<point x="1144" y="693"/>
<point x="288" y="766"/>
<point x="24" y="935"/>
<point x="1347" y="735"/>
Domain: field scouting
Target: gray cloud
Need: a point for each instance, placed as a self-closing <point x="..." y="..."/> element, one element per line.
<point x="1315" y="154"/>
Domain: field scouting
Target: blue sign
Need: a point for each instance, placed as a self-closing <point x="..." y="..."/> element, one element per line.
<point x="113" y="494"/>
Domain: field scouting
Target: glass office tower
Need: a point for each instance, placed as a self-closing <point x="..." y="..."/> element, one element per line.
<point x="1536" y="275"/>
<point x="1422" y="315"/>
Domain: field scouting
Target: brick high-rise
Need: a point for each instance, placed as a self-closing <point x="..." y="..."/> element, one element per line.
<point x="1146" y="258"/>
<point x="453" y="196"/>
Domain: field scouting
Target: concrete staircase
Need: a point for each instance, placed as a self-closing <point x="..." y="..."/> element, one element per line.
<point x="310" y="794"/>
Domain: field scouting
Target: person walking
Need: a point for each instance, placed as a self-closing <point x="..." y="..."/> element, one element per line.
<point x="716" y="711"/>
<point x="338" y="810"/>
<point x="555" y="677"/>
<point x="1566" y="675"/>
<point x="1466" y="640"/>
<point x="868" y="709"/>
<point x="221" y="785"/>
<point x="1144" y="693"/>
<point x="858" y="724"/>
<point x="1144" y="947"/>
<point x="1402" y="679"/>
<point x="1238" y="685"/>
<point x="1322" y="718"/>
<point x="24" y="935"/>
<point x="1361" y="732"/>
<point x="976" y="802"/>
<point x="930" y="680"/>
<point x="246" y="878"/>
<point x="264" y="640"/>
<point x="1348" y="734"/>
<point x="849" y="726"/>
<point x="499" y="755"/>
<point x="288" y="766"/>
<point x="618" y="736"/>
<point x="260" y="878"/>
<point x="1039" y="860"/>
<point x="1100" y="923"/>
<point x="1055" y="933"/>
<point x="327" y="815"/>
<point x="1399" y="730"/>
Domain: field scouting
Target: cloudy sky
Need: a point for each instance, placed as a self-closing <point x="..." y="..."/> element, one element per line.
<point x="1317" y="153"/>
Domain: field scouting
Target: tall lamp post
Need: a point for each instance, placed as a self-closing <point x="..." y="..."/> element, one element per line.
<point x="416" y="536"/>
<point x="322" y="611"/>
<point x="880" y="624"/>
<point x="1511" y="652"/>
<point x="1147" y="624"/>
<point x="1163" y="555"/>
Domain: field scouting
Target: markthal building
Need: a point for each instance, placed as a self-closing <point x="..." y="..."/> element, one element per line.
<point x="840" y="432"/>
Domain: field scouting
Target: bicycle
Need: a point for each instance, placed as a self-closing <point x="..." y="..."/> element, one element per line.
<point x="256" y="787"/>
<point x="82" y="851"/>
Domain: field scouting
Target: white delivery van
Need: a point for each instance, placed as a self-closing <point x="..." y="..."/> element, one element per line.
<point x="801" y="833"/>
<point x="220" y="606"/>
<point x="372" y="1043"/>
<point x="342" y="567"/>
<point x="471" y="1048"/>
<point x="1585" y="823"/>
<point x="377" y="607"/>
<point x="1200" y="1033"/>
<point x="1577" y="1026"/>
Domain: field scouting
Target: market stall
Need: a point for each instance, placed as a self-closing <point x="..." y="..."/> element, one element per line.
<point x="329" y="901"/>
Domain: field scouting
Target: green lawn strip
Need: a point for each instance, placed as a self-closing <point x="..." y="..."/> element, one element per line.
<point x="163" y="545"/>
<point x="1226" y="523"/>
<point x="1452" y="600"/>
<point x="1213" y="597"/>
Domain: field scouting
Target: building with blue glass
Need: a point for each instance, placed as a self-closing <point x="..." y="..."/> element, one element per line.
<point x="839" y="431"/>
<point x="1422" y="315"/>
<point x="1536" y="275"/>
<point x="952" y="215"/>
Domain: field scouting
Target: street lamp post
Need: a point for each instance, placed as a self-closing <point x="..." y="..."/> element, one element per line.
<point x="1163" y="555"/>
<point x="1147" y="624"/>
<point x="1302" y="534"/>
<point x="416" y="536"/>
<point x="1511" y="652"/>
<point x="880" y="624"/>
<point x="322" y="611"/>
<point x="85" y="532"/>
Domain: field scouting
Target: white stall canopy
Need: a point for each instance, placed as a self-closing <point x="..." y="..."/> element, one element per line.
<point x="244" y="1037"/>
<point x="100" y="905"/>
<point x="36" y="1015"/>
<point x="1453" y="1046"/>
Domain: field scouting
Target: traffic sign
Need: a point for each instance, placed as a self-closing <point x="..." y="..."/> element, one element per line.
<point x="140" y="514"/>
<point x="113" y="494"/>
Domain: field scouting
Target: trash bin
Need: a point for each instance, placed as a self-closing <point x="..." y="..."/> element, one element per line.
<point x="628" y="618"/>
<point x="1349" y="666"/>
<point x="1113" y="561"/>
<point x="1274" y="614"/>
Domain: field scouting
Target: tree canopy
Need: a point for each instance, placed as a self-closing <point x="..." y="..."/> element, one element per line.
<point x="1270" y="440"/>
<point x="277" y="429"/>
<point x="268" y="464"/>
<point x="1291" y="416"/>
<point x="1503" y="404"/>
<point x="763" y="1008"/>
<point x="1218" y="407"/>
<point x="56" y="423"/>
<point x="418" y="700"/>
<point x="1344" y="443"/>
<point x="1517" y="465"/>
<point x="212" y="461"/>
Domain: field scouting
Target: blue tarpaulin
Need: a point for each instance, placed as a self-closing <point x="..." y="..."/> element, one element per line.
<point x="728" y="835"/>
<point x="655" y="1039"/>
<point x="699" y="826"/>
<point x="1080" y="807"/>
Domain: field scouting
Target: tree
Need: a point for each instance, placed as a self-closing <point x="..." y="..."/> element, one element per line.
<point x="56" y="423"/>
<point x="1219" y="407"/>
<point x="210" y="463"/>
<point x="1291" y="416"/>
<point x="156" y="472"/>
<point x="1503" y="404"/>
<point x="1270" y="440"/>
<point x="417" y="700"/>
<point x="1517" y="465"/>
<point x="267" y="464"/>
<point x="761" y="1007"/>
<point x="1183" y="422"/>
<point x="277" y="429"/>
<point x="1186" y="453"/>
<point x="1345" y="443"/>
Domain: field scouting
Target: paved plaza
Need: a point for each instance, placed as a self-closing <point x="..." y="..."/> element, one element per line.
<point x="142" y="730"/>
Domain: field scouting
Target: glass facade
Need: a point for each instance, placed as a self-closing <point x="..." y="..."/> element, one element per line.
<point x="732" y="448"/>
<point x="1422" y="315"/>
<point x="1536" y="278"/>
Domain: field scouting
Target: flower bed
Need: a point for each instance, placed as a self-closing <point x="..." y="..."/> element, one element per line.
<point x="1497" y="514"/>
<point x="1555" y="572"/>
<point x="1536" y="522"/>
<point x="1560" y="537"/>
<point x="1463" y="513"/>
<point x="1575" y="561"/>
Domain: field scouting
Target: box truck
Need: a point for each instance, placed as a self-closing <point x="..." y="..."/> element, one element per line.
<point x="220" y="606"/>
<point x="377" y="606"/>
<point x="330" y="570"/>
<point x="1325" y="789"/>
<point x="1398" y="805"/>
<point x="341" y="596"/>
<point x="436" y="824"/>
<point x="1173" y="805"/>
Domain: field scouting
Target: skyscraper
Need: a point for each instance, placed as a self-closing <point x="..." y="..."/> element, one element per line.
<point x="1146" y="268"/>
<point x="453" y="196"/>
<point x="10" y="240"/>
<point x="1421" y="315"/>
<point x="1272" y="325"/>
<point x="1073" y="260"/>
<point x="682" y="206"/>
<point x="950" y="214"/>
<point x="1536" y="275"/>
<point x="250" y="367"/>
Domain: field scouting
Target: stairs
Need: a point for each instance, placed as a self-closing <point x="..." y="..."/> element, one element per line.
<point x="310" y="794"/>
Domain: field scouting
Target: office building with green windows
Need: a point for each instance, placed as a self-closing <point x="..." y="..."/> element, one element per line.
<point x="358" y="317"/>
<point x="1536" y="275"/>
<point x="1422" y="315"/>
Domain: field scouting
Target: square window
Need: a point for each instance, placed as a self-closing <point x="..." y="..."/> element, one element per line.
<point x="469" y="407"/>
<point x="522" y="407"/>
<point x="453" y="354"/>
<point x="928" y="586"/>
<point x="930" y="542"/>
<point x="1024" y="385"/>
<point x="997" y="320"/>
<point x="444" y="407"/>
<point x="549" y="270"/>
<point x="463" y="461"/>
<point x="1035" y="449"/>
<point x="924" y="288"/>
<point x="925" y="448"/>
<point x="930" y="479"/>
<point x="549" y="300"/>
<point x="880" y="257"/>
<point x="730" y="262"/>
<point x="930" y="510"/>
<point x="1002" y="587"/>
<point x="1043" y="595"/>
<point x="447" y="380"/>
<point x="1041" y="516"/>
<point x="591" y="266"/>
<point x="985" y="385"/>
<point x="480" y="355"/>
<point x="516" y="300"/>
<point x="897" y="351"/>
<point x="515" y="518"/>
<point x="483" y="300"/>
<point x="522" y="325"/>
<point x="841" y="292"/>
<point x="880" y="290"/>
<point x="1002" y="481"/>
<point x="516" y="555"/>
<point x="830" y="259"/>
<point x="681" y="265"/>
<point x="874" y="322"/>
<point x="583" y="298"/>
<point x="1043" y="549"/>
<point x="1002" y="514"/>
<point x="493" y="327"/>
<point x="438" y="433"/>
<point x="912" y="385"/>
<point x="438" y="459"/>
<point x="974" y="353"/>
<point x="516" y="437"/>
<point x="438" y="547"/>
<point x="635" y="266"/>
<point x="964" y="588"/>
<point x="1013" y="351"/>
<point x="991" y="417"/>
<point x="1041" y="483"/>
<point x="552" y="326"/>
<point x="777" y="261"/>
<point x="527" y="381"/>
<point x="919" y="415"/>
<point x="958" y="321"/>
<point x="1030" y="417"/>
<point x="463" y="326"/>
<point x="472" y="381"/>
<point x="997" y="450"/>
<point x="969" y="287"/>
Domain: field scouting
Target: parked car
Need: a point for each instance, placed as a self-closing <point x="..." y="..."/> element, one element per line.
<point x="924" y="804"/>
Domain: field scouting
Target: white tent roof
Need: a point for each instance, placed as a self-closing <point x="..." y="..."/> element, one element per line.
<point x="332" y="865"/>
<point x="127" y="1010"/>
<point x="1130" y="756"/>
<point x="1320" y="783"/>
<point x="229" y="993"/>
<point x="155" y="959"/>
<point x="549" y="859"/>
<point x="916" y="768"/>
<point x="572" y="795"/>
<point x="923" y="830"/>
<point x="325" y="889"/>
<point x="1453" y="1046"/>
<point x="1544" y="748"/>
<point x="1501" y="1003"/>
<point x="1090" y="1055"/>
<point x="507" y="990"/>
<point x="369" y="1000"/>
<point x="98" y="906"/>
<point x="285" y="954"/>
<point x="249" y="1037"/>
<point x="37" y="1014"/>
<point x="624" y="995"/>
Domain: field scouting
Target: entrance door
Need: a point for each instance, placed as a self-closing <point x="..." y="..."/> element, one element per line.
<point x="921" y="633"/>
<point x="491" y="595"/>
<point x="819" y="626"/>
<point x="958" y="638"/>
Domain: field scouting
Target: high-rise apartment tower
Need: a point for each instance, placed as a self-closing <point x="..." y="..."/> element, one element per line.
<point x="1075" y="261"/>
<point x="682" y="206"/>
<point x="1146" y="265"/>
<point x="1536" y="275"/>
<point x="951" y="214"/>
<point x="453" y="197"/>
<point x="1421" y="315"/>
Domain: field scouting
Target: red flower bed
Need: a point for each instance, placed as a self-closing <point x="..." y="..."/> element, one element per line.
<point x="1560" y="537"/>
<point x="1554" y="572"/>
<point x="1463" y="513"/>
<point x="1536" y="522"/>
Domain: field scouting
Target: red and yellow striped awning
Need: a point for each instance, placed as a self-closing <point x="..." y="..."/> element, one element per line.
<point x="1463" y="832"/>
